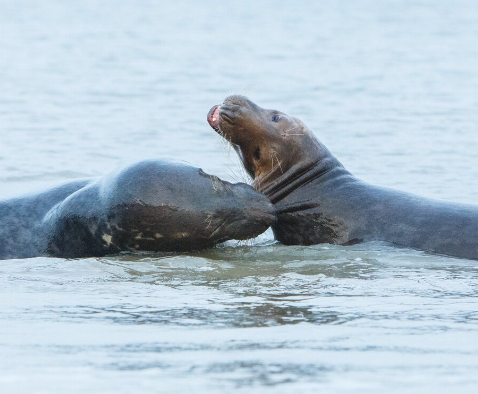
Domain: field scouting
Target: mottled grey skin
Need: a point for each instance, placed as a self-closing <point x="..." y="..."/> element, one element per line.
<point x="318" y="201"/>
<point x="153" y="205"/>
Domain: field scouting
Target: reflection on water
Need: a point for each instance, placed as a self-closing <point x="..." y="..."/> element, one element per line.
<point x="390" y="87"/>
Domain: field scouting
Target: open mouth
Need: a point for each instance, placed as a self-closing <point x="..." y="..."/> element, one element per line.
<point x="213" y="117"/>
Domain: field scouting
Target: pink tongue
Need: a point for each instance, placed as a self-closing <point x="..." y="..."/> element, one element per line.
<point x="213" y="118"/>
<point x="215" y="115"/>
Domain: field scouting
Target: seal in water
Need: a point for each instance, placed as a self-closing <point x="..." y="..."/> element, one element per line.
<point x="318" y="201"/>
<point x="154" y="205"/>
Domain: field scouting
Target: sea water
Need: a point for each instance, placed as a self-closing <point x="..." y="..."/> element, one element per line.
<point x="391" y="87"/>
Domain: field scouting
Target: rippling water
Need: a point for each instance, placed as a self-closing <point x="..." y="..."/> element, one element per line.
<point x="390" y="87"/>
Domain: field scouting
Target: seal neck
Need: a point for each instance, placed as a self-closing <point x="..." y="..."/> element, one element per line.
<point x="278" y="187"/>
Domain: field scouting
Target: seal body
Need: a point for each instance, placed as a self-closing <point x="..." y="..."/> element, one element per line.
<point x="154" y="205"/>
<point x="341" y="209"/>
<point x="318" y="201"/>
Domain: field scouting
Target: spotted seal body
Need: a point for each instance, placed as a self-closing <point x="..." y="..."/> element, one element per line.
<point x="154" y="205"/>
<point x="319" y="201"/>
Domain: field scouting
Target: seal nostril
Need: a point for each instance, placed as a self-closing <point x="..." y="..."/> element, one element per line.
<point x="257" y="153"/>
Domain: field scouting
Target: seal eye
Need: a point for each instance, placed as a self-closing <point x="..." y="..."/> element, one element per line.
<point x="257" y="153"/>
<point x="276" y="117"/>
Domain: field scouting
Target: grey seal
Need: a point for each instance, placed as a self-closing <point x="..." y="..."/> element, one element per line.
<point x="153" y="205"/>
<point x="318" y="201"/>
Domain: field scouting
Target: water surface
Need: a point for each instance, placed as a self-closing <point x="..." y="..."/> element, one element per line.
<point x="390" y="87"/>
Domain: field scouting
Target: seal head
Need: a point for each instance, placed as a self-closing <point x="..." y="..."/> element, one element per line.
<point x="156" y="205"/>
<point x="272" y="145"/>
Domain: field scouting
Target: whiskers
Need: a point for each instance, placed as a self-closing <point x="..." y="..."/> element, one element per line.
<point x="275" y="159"/>
<point x="238" y="173"/>
<point x="224" y="142"/>
<point x="275" y="165"/>
<point x="244" y="91"/>
<point x="292" y="131"/>
<point x="236" y="170"/>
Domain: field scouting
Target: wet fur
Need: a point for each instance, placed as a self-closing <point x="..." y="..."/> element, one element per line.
<point x="154" y="205"/>
<point x="318" y="201"/>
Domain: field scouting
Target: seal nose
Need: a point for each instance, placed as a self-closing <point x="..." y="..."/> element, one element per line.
<point x="237" y="99"/>
<point x="242" y="102"/>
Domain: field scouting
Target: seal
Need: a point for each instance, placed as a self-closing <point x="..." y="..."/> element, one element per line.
<point x="318" y="201"/>
<point x="154" y="205"/>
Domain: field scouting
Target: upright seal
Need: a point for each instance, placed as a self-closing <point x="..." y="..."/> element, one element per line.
<point x="318" y="201"/>
<point x="154" y="205"/>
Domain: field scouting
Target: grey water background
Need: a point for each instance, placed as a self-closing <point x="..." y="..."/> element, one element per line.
<point x="391" y="87"/>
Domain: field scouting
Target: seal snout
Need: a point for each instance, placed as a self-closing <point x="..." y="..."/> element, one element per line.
<point x="237" y="99"/>
<point x="213" y="117"/>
